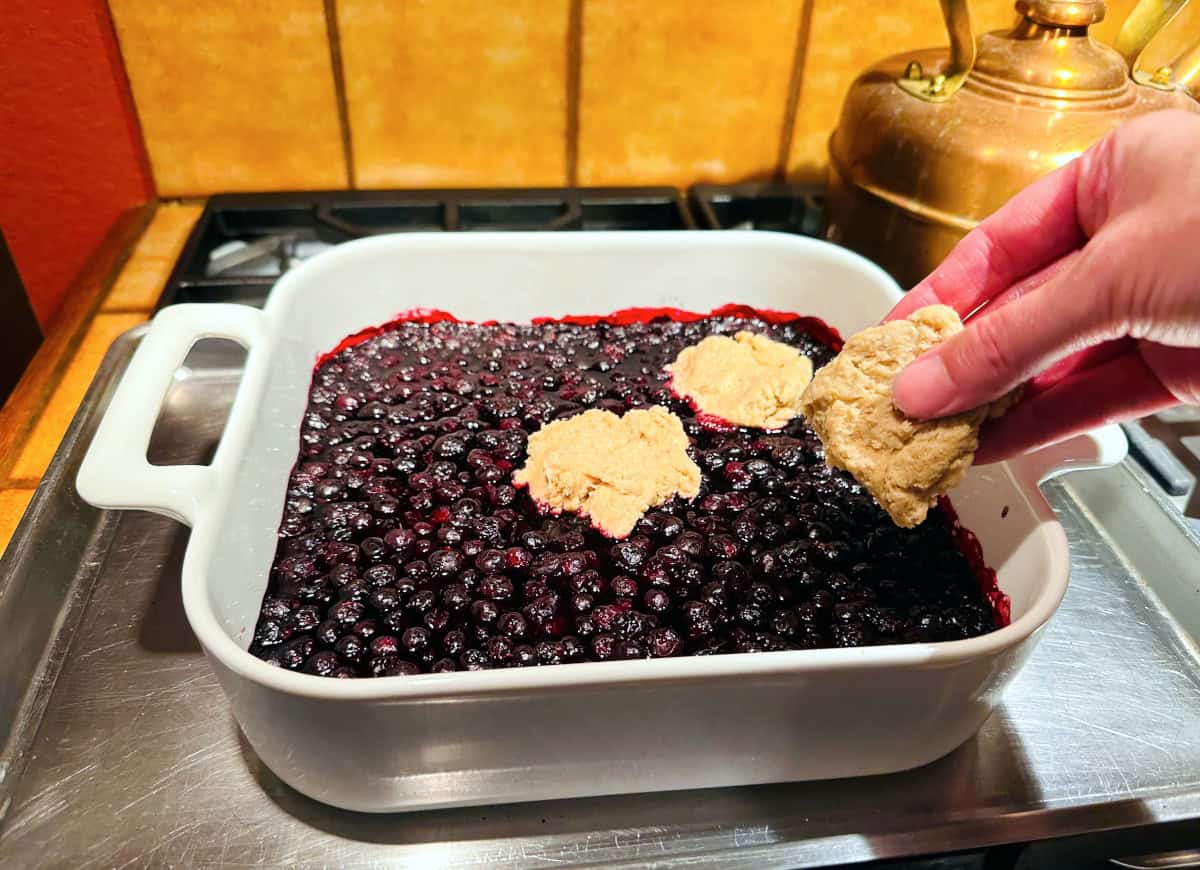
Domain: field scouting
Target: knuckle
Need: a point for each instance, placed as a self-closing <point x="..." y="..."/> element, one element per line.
<point x="1186" y="388"/>
<point x="985" y="354"/>
<point x="998" y="255"/>
<point x="1094" y="183"/>
<point x="1176" y="368"/>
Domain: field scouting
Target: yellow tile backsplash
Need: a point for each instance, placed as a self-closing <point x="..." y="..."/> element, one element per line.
<point x="456" y="92"/>
<point x="233" y="95"/>
<point x="674" y="92"/>
<point x="434" y="93"/>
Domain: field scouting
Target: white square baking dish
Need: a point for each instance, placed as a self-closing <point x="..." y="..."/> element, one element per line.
<point x="454" y="739"/>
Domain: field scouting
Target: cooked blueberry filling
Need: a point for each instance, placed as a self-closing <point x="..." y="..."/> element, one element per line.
<point x="405" y="548"/>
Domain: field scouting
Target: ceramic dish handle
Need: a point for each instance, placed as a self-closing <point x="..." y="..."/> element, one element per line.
<point x="115" y="472"/>
<point x="1098" y="448"/>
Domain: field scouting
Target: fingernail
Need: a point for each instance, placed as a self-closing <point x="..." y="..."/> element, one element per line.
<point x="924" y="389"/>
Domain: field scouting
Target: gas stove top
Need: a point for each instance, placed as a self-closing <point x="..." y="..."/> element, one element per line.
<point x="244" y="242"/>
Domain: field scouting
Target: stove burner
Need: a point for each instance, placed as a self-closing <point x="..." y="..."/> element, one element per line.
<point x="268" y="257"/>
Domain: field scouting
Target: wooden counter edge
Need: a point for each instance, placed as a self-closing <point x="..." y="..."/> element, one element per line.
<point x="20" y="412"/>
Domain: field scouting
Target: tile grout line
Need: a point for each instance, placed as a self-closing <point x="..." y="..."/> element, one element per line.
<point x="574" y="71"/>
<point x="791" y="108"/>
<point x="339" y="87"/>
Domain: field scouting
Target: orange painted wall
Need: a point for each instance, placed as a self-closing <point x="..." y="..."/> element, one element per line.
<point x="71" y="156"/>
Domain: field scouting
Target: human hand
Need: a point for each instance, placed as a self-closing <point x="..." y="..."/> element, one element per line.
<point x="1090" y="285"/>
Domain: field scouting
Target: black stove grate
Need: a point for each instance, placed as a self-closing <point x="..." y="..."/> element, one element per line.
<point x="244" y="242"/>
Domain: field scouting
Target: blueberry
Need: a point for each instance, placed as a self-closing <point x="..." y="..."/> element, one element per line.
<point x="346" y="612"/>
<point x="474" y="660"/>
<point x="421" y="602"/>
<point x="550" y="652"/>
<point x="436" y="620"/>
<point x="623" y="586"/>
<point x="278" y="608"/>
<point x="269" y="633"/>
<point x="484" y="611"/>
<point x="500" y="651"/>
<point x="512" y="625"/>
<point x="455" y="597"/>
<point x="604" y="647"/>
<point x="327" y="632"/>
<point x="524" y="655"/>
<point x="351" y="649"/>
<point x="445" y="563"/>
<point x="380" y="575"/>
<point x="400" y="668"/>
<point x="294" y="653"/>
<point x="628" y="556"/>
<point x="414" y="641"/>
<point x="663" y="643"/>
<point x="496" y="587"/>
<point x="629" y="649"/>
<point x="541" y="609"/>
<point x="384" y="645"/>
<point x="385" y="600"/>
<point x="518" y="559"/>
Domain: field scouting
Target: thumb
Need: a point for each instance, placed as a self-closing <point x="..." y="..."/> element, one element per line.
<point x="1001" y="348"/>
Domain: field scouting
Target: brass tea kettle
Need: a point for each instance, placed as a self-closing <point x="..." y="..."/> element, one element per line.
<point x="931" y="142"/>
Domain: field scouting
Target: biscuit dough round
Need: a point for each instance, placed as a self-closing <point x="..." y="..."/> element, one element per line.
<point x="904" y="463"/>
<point x="612" y="469"/>
<point x="748" y="380"/>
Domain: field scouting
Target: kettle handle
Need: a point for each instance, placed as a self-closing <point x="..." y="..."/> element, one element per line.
<point x="939" y="87"/>
<point x="1142" y="25"/>
<point x="1186" y="70"/>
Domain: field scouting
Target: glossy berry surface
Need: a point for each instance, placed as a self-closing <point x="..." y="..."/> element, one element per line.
<point x="404" y="548"/>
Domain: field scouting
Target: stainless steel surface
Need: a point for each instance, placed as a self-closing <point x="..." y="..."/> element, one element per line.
<point x="137" y="760"/>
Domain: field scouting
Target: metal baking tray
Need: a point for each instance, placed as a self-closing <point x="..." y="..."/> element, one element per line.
<point x="119" y="748"/>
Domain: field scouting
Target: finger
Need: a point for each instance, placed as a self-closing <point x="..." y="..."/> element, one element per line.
<point x="1121" y="388"/>
<point x="1177" y="367"/>
<point x="1087" y="358"/>
<point x="1026" y="285"/>
<point x="1004" y="348"/>
<point x="1030" y="231"/>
